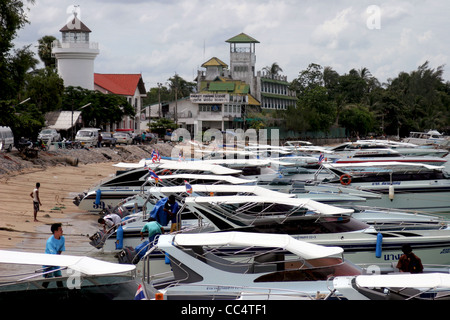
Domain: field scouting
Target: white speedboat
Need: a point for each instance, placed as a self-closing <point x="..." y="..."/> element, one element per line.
<point x="318" y="223"/>
<point x="361" y="152"/>
<point x="398" y="286"/>
<point x="225" y="265"/>
<point x="138" y="179"/>
<point x="417" y="187"/>
<point x="83" y="278"/>
<point x="410" y="149"/>
<point x="431" y="137"/>
<point x="135" y="211"/>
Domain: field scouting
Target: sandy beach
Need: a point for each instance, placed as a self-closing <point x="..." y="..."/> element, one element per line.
<point x="58" y="186"/>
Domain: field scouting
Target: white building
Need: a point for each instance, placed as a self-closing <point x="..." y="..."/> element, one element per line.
<point x="75" y="55"/>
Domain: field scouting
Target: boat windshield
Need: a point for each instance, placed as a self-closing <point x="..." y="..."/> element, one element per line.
<point x="312" y="270"/>
<point x="274" y="264"/>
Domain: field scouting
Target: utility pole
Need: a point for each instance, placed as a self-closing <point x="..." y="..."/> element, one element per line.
<point x="159" y="99"/>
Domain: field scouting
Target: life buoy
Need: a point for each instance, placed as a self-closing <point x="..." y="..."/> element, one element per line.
<point x="166" y="172"/>
<point x="345" y="179"/>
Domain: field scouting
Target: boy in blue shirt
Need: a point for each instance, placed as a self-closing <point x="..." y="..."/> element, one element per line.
<point x="55" y="245"/>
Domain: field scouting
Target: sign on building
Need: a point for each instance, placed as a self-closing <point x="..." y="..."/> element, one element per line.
<point x="210" y="98"/>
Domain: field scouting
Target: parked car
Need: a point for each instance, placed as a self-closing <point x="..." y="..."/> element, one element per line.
<point x="108" y="139"/>
<point x="50" y="135"/>
<point x="87" y="137"/>
<point x="123" y="137"/>
<point x="6" y="139"/>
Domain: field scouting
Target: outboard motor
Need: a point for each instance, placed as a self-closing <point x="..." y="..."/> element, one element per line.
<point x="127" y="256"/>
<point x="98" y="239"/>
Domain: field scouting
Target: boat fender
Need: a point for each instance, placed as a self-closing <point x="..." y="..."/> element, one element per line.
<point x="345" y="179"/>
<point x="119" y="238"/>
<point x="98" y="196"/>
<point x="391" y="193"/>
<point x="166" y="258"/>
<point x="378" y="248"/>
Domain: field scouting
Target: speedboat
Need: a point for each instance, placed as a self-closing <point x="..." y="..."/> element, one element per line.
<point x="405" y="186"/>
<point x="137" y="179"/>
<point x="317" y="223"/>
<point x="363" y="151"/>
<point x="136" y="210"/>
<point x="84" y="278"/>
<point x="410" y="149"/>
<point x="227" y="264"/>
<point x="431" y="137"/>
<point x="398" y="286"/>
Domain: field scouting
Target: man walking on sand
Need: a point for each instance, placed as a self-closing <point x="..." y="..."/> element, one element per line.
<point x="36" y="200"/>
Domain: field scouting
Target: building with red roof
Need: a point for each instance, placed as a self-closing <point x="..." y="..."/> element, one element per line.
<point x="131" y="86"/>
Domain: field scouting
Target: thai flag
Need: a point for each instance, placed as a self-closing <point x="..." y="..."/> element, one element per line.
<point x="188" y="187"/>
<point x="180" y="155"/>
<point x="155" y="156"/>
<point x="154" y="175"/>
<point x="140" y="293"/>
<point x="321" y="158"/>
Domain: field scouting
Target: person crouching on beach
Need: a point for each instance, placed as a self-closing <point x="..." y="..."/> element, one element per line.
<point x="36" y="200"/>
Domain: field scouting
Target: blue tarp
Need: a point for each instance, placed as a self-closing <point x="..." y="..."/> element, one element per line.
<point x="159" y="214"/>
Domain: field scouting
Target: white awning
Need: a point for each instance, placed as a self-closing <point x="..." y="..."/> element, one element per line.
<point x="229" y="179"/>
<point x="297" y="202"/>
<point x="256" y="190"/>
<point x="85" y="265"/>
<point x="65" y="120"/>
<point x="233" y="238"/>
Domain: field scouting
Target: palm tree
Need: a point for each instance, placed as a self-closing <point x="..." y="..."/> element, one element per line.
<point x="45" y="51"/>
<point x="273" y="70"/>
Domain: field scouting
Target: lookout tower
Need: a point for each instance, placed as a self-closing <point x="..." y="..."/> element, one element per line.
<point x="243" y="59"/>
<point x="75" y="55"/>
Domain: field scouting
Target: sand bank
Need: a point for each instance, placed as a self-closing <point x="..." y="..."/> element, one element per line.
<point x="58" y="186"/>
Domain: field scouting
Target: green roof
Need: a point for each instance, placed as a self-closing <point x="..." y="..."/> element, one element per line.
<point x="278" y="96"/>
<point x="242" y="38"/>
<point x="221" y="86"/>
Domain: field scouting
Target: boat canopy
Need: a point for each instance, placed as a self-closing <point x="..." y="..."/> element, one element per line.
<point x="85" y="265"/>
<point x="179" y="165"/>
<point x="259" y="191"/>
<point x="225" y="178"/>
<point x="234" y="238"/>
<point x="405" y="280"/>
<point x="321" y="208"/>
<point x="393" y="164"/>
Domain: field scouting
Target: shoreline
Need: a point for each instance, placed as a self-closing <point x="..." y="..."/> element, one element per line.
<point x="58" y="186"/>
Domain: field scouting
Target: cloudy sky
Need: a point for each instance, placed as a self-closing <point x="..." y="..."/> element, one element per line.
<point x="159" y="38"/>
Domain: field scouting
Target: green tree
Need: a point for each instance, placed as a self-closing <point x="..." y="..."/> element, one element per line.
<point x="12" y="64"/>
<point x="318" y="110"/>
<point x="308" y="79"/>
<point x="102" y="108"/>
<point x="156" y="94"/>
<point x="161" y="125"/>
<point x="357" y="119"/>
<point x="45" y="51"/>
<point x="45" y="88"/>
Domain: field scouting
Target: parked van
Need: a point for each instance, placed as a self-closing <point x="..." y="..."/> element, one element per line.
<point x="87" y="136"/>
<point x="6" y="139"/>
